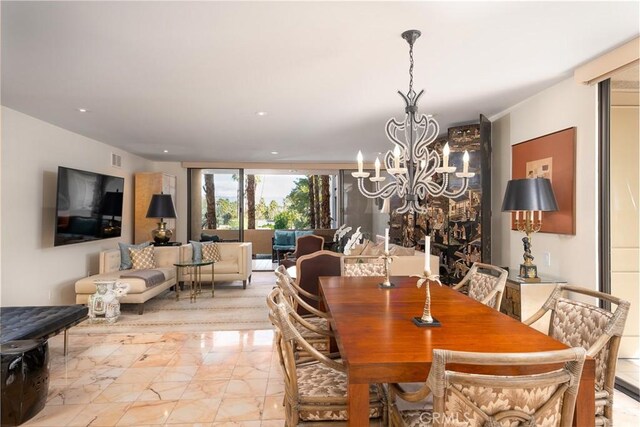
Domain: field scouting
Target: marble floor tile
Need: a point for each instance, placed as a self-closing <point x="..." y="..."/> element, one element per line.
<point x="147" y="413"/>
<point x="204" y="389"/>
<point x="273" y="408"/>
<point x="251" y="372"/>
<point x="240" y="409"/>
<point x="119" y="392"/>
<point x="194" y="411"/>
<point x="99" y="414"/>
<point x="177" y="373"/>
<point x="246" y="388"/>
<point x="163" y="391"/>
<point x="139" y="375"/>
<point x="213" y="372"/>
<point x="240" y="424"/>
<point x="55" y="415"/>
<point x="152" y="360"/>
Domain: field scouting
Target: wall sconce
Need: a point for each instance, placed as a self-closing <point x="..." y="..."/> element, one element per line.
<point x="161" y="206"/>
<point x="528" y="196"/>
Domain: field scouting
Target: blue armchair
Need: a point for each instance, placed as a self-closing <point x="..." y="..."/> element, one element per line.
<point x="285" y="241"/>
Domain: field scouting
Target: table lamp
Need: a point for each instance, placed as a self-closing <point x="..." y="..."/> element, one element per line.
<point x="529" y="195"/>
<point x="161" y="206"/>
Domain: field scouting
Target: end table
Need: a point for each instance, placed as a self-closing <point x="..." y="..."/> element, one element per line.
<point x="195" y="272"/>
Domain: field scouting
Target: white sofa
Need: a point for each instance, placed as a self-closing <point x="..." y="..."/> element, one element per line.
<point x="235" y="265"/>
<point x="165" y="257"/>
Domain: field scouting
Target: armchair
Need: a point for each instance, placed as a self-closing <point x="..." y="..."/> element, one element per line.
<point x="485" y="283"/>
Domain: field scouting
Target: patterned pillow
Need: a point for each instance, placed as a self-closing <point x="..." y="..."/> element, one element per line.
<point x="374" y="249"/>
<point x="211" y="252"/>
<point x="125" y="259"/>
<point x="143" y="258"/>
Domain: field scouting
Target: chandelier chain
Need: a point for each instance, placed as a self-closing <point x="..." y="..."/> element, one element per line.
<point x="410" y="68"/>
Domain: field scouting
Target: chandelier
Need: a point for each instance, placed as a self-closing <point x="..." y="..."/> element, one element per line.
<point x="413" y="162"/>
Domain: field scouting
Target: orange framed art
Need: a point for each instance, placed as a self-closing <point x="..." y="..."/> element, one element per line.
<point x="551" y="156"/>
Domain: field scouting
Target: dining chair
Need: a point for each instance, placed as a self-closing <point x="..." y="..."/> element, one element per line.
<point x="362" y="265"/>
<point x="314" y="327"/>
<point x="316" y="388"/>
<point x="595" y="329"/>
<point x="485" y="283"/>
<point x="463" y="399"/>
<point x="305" y="245"/>
<point x="309" y="268"/>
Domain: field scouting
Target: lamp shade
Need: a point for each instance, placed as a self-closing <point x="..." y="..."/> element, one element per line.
<point x="161" y="206"/>
<point x="111" y="204"/>
<point x="529" y="194"/>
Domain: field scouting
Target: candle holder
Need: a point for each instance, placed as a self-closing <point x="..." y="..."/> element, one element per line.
<point x="387" y="259"/>
<point x="427" y="320"/>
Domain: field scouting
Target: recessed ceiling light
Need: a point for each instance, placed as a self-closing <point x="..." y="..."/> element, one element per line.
<point x="165" y="151"/>
<point x="261" y="113"/>
<point x="83" y="110"/>
<point x="274" y="152"/>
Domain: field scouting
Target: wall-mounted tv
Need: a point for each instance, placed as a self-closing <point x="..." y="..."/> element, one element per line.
<point x="88" y="206"/>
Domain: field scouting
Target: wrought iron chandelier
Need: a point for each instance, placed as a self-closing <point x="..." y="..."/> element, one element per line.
<point x="413" y="163"/>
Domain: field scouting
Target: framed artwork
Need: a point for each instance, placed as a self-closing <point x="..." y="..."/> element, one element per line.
<point x="551" y="156"/>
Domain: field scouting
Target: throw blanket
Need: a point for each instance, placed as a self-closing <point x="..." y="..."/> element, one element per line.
<point x="151" y="277"/>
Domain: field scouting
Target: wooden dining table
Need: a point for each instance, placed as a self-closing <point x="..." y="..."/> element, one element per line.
<point x="379" y="343"/>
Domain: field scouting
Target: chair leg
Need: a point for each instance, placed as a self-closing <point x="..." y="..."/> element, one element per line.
<point x="66" y="341"/>
<point x="141" y="308"/>
<point x="244" y="284"/>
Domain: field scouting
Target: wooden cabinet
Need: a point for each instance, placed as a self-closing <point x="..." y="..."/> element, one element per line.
<point x="522" y="299"/>
<point x="146" y="185"/>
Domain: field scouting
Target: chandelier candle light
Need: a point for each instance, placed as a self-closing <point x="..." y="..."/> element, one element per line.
<point x="413" y="163"/>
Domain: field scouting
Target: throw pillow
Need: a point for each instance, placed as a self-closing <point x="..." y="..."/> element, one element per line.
<point x="125" y="259"/>
<point x="196" y="251"/>
<point x="401" y="251"/>
<point x="211" y="252"/>
<point x="374" y="249"/>
<point x="357" y="249"/>
<point x="142" y="259"/>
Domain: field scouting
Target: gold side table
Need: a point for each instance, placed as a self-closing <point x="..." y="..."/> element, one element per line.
<point x="195" y="272"/>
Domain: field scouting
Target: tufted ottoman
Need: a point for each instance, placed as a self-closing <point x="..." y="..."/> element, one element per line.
<point x="22" y="323"/>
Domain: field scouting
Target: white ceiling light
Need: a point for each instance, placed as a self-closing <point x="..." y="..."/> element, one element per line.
<point x="83" y="110"/>
<point x="274" y="152"/>
<point x="261" y="113"/>
<point x="165" y="151"/>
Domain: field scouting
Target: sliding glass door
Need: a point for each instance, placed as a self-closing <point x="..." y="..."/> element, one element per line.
<point x="216" y="204"/>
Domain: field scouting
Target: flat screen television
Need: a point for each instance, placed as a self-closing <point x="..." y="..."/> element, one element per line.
<point x="88" y="206"/>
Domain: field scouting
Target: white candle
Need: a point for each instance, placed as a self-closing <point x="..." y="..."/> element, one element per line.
<point x="427" y="253"/>
<point x="396" y="157"/>
<point x="360" y="161"/>
<point x="445" y="155"/>
<point x="517" y="215"/>
<point x="377" y="164"/>
<point x="465" y="159"/>
<point x="539" y="216"/>
<point x="386" y="240"/>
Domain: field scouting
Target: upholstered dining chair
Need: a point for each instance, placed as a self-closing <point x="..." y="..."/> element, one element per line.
<point x="596" y="329"/>
<point x="309" y="268"/>
<point x="463" y="399"/>
<point x="362" y="265"/>
<point x="305" y="245"/>
<point x="485" y="283"/>
<point x="316" y="388"/>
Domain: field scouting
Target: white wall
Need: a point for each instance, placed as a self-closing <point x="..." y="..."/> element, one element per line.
<point x="564" y="105"/>
<point x="34" y="272"/>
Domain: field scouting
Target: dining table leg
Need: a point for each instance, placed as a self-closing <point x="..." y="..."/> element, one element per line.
<point x="585" y="414"/>
<point x="358" y="404"/>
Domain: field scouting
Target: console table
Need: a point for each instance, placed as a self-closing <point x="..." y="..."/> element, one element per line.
<point x="522" y="299"/>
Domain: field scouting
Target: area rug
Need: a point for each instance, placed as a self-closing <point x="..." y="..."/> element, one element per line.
<point x="232" y="308"/>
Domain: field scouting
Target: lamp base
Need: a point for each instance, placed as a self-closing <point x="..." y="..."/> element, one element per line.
<point x="529" y="273"/>
<point x="162" y="234"/>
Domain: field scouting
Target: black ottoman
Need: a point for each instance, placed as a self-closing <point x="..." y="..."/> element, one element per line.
<point x="25" y="379"/>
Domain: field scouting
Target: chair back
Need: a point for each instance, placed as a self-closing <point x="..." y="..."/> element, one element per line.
<point x="595" y="329"/>
<point x="485" y="283"/>
<point x="547" y="398"/>
<point x="362" y="265"/>
<point x="308" y="244"/>
<point x="310" y="267"/>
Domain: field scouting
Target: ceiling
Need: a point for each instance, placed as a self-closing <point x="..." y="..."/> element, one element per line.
<point x="189" y="78"/>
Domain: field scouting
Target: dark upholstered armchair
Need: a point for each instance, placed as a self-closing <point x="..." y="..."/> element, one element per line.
<point x="305" y="245"/>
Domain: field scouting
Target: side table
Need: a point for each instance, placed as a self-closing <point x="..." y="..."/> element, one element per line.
<point x="522" y="299"/>
<point x="195" y="270"/>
